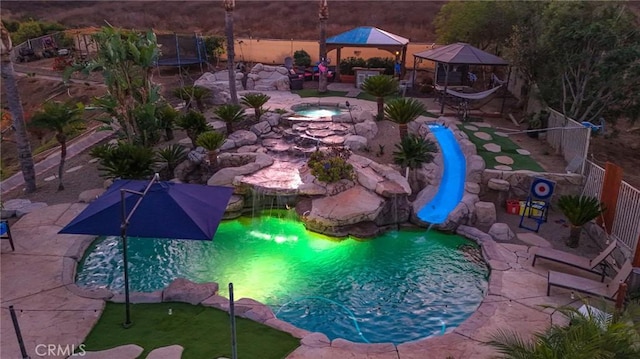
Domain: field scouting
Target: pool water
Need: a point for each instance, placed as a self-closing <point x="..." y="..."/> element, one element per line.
<point x="309" y="110"/>
<point x="398" y="287"/>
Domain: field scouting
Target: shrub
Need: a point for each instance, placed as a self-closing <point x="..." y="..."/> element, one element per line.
<point x="347" y="65"/>
<point x="301" y="58"/>
<point x="210" y="140"/>
<point x="124" y="160"/>
<point x="172" y="156"/>
<point x="194" y="123"/>
<point x="386" y="63"/>
<point x="331" y="166"/>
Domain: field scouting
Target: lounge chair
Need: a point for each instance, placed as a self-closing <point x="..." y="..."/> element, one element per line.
<point x="596" y="265"/>
<point x="5" y="233"/>
<point x="589" y="286"/>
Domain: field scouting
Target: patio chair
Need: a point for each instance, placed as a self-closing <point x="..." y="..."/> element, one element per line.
<point x="5" y="233"/>
<point x="596" y="265"/>
<point x="589" y="286"/>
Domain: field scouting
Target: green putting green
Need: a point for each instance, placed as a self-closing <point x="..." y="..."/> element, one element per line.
<point x="203" y="332"/>
<point x="508" y="148"/>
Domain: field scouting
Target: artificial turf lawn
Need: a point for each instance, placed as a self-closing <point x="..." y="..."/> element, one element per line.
<point x="520" y="162"/>
<point x="315" y="93"/>
<point x="203" y="332"/>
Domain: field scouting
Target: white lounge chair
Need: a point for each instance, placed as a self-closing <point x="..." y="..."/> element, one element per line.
<point x="589" y="286"/>
<point x="596" y="265"/>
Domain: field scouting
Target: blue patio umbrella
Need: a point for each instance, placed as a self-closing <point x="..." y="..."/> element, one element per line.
<point x="153" y="209"/>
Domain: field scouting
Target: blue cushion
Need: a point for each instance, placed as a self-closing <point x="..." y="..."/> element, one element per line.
<point x="3" y="228"/>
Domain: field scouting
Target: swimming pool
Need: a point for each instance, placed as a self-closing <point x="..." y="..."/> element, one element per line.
<point x="398" y="287"/>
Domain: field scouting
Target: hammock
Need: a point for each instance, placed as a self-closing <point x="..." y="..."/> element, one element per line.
<point x="473" y="96"/>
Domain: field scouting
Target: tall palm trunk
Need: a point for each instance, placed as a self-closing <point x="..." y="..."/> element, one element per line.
<point x="323" y="15"/>
<point x="15" y="107"/>
<point x="229" y="6"/>
<point x="62" y="139"/>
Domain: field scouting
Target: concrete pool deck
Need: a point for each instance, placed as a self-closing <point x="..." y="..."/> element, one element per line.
<point x="35" y="280"/>
<point x="50" y="311"/>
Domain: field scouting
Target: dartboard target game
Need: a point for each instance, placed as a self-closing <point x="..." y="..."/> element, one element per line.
<point x="542" y="188"/>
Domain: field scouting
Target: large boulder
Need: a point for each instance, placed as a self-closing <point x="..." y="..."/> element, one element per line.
<point x="238" y="164"/>
<point x="218" y="84"/>
<point x="328" y="214"/>
<point x="355" y="142"/>
<point x="366" y="129"/>
<point x="184" y="290"/>
<point x="268" y="78"/>
<point x="10" y="207"/>
<point x="485" y="213"/>
<point x="501" y="232"/>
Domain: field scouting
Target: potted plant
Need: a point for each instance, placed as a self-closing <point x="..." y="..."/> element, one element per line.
<point x="579" y="210"/>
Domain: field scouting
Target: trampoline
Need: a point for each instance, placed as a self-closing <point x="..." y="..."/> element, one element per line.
<point x="181" y="50"/>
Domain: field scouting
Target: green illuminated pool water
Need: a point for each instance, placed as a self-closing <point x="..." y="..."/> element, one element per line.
<point x="398" y="287"/>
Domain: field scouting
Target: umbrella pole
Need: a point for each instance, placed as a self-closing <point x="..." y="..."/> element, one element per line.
<point x="123" y="234"/>
<point x="232" y="315"/>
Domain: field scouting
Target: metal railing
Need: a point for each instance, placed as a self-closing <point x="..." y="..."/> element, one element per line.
<point x="594" y="178"/>
<point x="569" y="138"/>
<point x="626" y="222"/>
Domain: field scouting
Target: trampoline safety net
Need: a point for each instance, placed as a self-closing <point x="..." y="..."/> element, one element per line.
<point x="181" y="50"/>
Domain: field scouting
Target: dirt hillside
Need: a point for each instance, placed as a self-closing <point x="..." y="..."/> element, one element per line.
<point x="260" y="19"/>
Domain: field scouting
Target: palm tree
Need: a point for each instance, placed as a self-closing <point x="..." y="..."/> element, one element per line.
<point x="402" y="111"/>
<point x="412" y="152"/>
<point x="588" y="336"/>
<point x="125" y="160"/>
<point x="191" y="94"/>
<point x="255" y="101"/>
<point x="17" y="114"/>
<point x="380" y="86"/>
<point x="230" y="114"/>
<point x="193" y="123"/>
<point x="323" y="16"/>
<point x="59" y="117"/>
<point x="229" y="6"/>
<point x="211" y="141"/>
<point x="167" y="116"/>
<point x="579" y="210"/>
<point x="172" y="156"/>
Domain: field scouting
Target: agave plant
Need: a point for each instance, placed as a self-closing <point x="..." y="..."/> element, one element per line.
<point x="211" y="141"/>
<point x="194" y="124"/>
<point x="402" y="111"/>
<point x="579" y="210"/>
<point x="172" y="156"/>
<point x="255" y="101"/>
<point x="230" y="114"/>
<point x="380" y="86"/>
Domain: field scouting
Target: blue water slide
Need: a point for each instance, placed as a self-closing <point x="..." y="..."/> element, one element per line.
<point x="453" y="178"/>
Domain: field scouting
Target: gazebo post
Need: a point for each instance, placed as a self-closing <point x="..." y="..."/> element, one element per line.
<point x="504" y="98"/>
<point x="404" y="62"/>
<point x="338" y="64"/>
<point x="413" y="75"/>
<point x="446" y="83"/>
